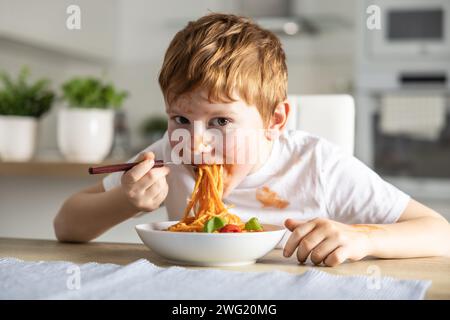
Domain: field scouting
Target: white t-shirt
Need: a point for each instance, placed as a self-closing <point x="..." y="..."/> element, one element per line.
<point x="309" y="176"/>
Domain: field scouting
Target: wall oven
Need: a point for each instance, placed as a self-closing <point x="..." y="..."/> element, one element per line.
<point x="402" y="90"/>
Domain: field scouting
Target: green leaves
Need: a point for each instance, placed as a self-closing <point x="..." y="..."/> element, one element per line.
<point x="19" y="98"/>
<point x="90" y="92"/>
<point x="214" y="224"/>
<point x="217" y="223"/>
<point x="253" y="224"/>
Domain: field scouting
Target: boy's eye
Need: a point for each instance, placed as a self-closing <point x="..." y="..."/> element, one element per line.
<point x="220" y="122"/>
<point x="181" y="120"/>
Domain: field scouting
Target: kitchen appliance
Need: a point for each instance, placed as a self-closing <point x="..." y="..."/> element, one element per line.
<point x="412" y="29"/>
<point x="402" y="72"/>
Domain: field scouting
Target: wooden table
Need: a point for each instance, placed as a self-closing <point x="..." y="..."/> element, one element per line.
<point x="436" y="269"/>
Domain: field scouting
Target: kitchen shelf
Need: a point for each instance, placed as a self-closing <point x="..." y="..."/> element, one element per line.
<point x="50" y="168"/>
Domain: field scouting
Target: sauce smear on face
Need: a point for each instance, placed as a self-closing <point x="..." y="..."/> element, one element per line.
<point x="365" y="227"/>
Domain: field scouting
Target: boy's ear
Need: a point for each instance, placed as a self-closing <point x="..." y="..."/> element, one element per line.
<point x="278" y="120"/>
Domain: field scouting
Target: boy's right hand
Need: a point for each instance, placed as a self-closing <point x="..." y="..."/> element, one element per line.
<point x="145" y="188"/>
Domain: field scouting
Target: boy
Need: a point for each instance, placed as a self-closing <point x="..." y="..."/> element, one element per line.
<point x="225" y="73"/>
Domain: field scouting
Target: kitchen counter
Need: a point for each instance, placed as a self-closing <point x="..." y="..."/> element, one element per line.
<point x="436" y="269"/>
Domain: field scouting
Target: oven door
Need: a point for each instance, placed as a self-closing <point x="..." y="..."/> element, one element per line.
<point x="411" y="28"/>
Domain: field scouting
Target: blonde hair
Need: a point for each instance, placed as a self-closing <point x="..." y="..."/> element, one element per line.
<point x="223" y="53"/>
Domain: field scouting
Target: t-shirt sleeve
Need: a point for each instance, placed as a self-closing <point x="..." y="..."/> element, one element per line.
<point x="354" y="193"/>
<point x="113" y="179"/>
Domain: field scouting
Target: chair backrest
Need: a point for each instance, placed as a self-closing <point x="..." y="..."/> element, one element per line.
<point x="329" y="116"/>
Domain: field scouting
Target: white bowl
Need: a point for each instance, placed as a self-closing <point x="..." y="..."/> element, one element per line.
<point x="209" y="249"/>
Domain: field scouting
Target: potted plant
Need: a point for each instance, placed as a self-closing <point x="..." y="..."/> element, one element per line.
<point x="21" y="105"/>
<point x="86" y="124"/>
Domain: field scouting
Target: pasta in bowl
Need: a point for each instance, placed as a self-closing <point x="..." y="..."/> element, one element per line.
<point x="208" y="234"/>
<point x="209" y="249"/>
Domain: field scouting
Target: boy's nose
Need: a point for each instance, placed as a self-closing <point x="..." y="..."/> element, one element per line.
<point x="199" y="145"/>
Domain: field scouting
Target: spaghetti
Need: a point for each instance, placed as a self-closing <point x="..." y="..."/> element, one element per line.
<point x="206" y="202"/>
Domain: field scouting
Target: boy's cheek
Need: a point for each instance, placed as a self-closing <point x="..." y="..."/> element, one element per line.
<point x="244" y="150"/>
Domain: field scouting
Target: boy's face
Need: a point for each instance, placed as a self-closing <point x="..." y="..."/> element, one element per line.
<point x="233" y="134"/>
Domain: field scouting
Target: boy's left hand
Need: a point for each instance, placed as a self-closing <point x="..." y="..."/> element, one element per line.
<point x="327" y="241"/>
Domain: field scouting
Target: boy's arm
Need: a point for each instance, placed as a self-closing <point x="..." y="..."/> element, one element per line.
<point x="419" y="232"/>
<point x="90" y="212"/>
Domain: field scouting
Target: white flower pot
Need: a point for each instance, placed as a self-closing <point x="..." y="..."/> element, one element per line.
<point x="85" y="135"/>
<point x="17" y="138"/>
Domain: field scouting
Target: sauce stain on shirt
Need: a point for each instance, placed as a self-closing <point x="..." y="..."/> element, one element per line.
<point x="270" y="198"/>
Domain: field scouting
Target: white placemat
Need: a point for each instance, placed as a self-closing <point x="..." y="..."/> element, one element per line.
<point x="144" y="280"/>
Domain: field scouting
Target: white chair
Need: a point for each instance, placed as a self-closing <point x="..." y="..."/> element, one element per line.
<point x="329" y="116"/>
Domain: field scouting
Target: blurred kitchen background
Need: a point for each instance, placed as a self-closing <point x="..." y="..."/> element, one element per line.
<point x="398" y="75"/>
